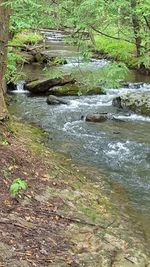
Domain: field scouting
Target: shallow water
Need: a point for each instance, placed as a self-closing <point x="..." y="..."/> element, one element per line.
<point x="119" y="150"/>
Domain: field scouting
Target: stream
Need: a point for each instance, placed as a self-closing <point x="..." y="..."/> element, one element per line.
<point x="120" y="151"/>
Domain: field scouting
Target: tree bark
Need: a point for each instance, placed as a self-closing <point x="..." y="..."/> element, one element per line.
<point x="4" y="33"/>
<point x="136" y="27"/>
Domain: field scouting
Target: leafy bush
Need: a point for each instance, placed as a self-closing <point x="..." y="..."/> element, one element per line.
<point x="113" y="74"/>
<point x="12" y="74"/>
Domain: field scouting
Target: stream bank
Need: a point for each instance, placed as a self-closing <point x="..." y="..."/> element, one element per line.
<point x="65" y="218"/>
<point x="119" y="151"/>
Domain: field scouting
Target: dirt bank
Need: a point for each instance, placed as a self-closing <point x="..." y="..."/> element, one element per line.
<point x="63" y="219"/>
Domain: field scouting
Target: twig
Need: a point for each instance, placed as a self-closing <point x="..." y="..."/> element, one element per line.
<point x="112" y="37"/>
<point x="4" y="221"/>
<point x="126" y="258"/>
<point x="147" y="22"/>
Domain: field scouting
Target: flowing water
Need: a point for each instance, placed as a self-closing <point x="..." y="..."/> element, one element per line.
<point x="119" y="150"/>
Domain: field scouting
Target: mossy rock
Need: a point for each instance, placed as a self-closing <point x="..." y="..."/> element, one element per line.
<point x="75" y="90"/>
<point x="43" y="86"/>
<point x="139" y="103"/>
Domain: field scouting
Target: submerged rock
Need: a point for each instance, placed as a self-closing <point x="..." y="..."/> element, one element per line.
<point x="96" y="117"/>
<point x="43" y="86"/>
<point x="139" y="103"/>
<point x="100" y="117"/>
<point x="11" y="86"/>
<point x="132" y="85"/>
<point x="53" y="100"/>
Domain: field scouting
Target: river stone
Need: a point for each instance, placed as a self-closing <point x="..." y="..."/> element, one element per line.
<point x="53" y="100"/>
<point x="96" y="117"/>
<point x="43" y="86"/>
<point x="11" y="86"/>
<point x="137" y="102"/>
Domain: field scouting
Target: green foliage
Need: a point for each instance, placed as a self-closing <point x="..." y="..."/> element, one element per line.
<point x="17" y="186"/>
<point x="30" y="14"/>
<point x="109" y="76"/>
<point x="113" y="74"/>
<point x="53" y="73"/>
<point x="12" y="73"/>
<point x="14" y="56"/>
<point x="119" y="50"/>
<point x="122" y="19"/>
<point x="26" y="37"/>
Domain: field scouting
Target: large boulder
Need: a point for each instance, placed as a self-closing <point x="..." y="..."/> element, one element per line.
<point x="53" y="100"/>
<point x="75" y="90"/>
<point x="43" y="86"/>
<point x="139" y="102"/>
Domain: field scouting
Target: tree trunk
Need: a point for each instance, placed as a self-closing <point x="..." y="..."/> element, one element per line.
<point x="136" y="27"/>
<point x="4" y="33"/>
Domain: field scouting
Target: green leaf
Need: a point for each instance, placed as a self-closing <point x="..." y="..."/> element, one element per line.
<point x="16" y="186"/>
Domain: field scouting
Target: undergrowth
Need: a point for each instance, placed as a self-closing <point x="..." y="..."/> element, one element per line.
<point x="26" y="37"/>
<point x="119" y="50"/>
<point x="14" y="56"/>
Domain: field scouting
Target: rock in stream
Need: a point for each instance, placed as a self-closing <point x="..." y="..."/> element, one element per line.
<point x="53" y="100"/>
<point x="100" y="117"/>
<point x="139" y="103"/>
<point x="43" y="86"/>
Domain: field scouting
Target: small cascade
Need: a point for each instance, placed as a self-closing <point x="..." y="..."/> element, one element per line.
<point x="54" y="36"/>
<point x="20" y="86"/>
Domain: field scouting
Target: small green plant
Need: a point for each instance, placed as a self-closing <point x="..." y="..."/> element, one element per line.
<point x="17" y="186"/>
<point x="80" y="93"/>
<point x="5" y="143"/>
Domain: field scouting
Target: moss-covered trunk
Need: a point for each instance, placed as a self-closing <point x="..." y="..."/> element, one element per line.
<point x="136" y="27"/>
<point x="4" y="33"/>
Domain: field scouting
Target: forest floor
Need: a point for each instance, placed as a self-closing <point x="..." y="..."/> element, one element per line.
<point x="64" y="218"/>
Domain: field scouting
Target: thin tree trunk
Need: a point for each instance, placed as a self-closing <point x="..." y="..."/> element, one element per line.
<point x="136" y="27"/>
<point x="4" y="33"/>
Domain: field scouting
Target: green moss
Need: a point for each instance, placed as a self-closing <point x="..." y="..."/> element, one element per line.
<point x="26" y="37"/>
<point x="33" y="136"/>
<point x="75" y="89"/>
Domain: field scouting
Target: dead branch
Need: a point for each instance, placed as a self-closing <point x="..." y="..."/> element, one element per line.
<point x="112" y="37"/>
